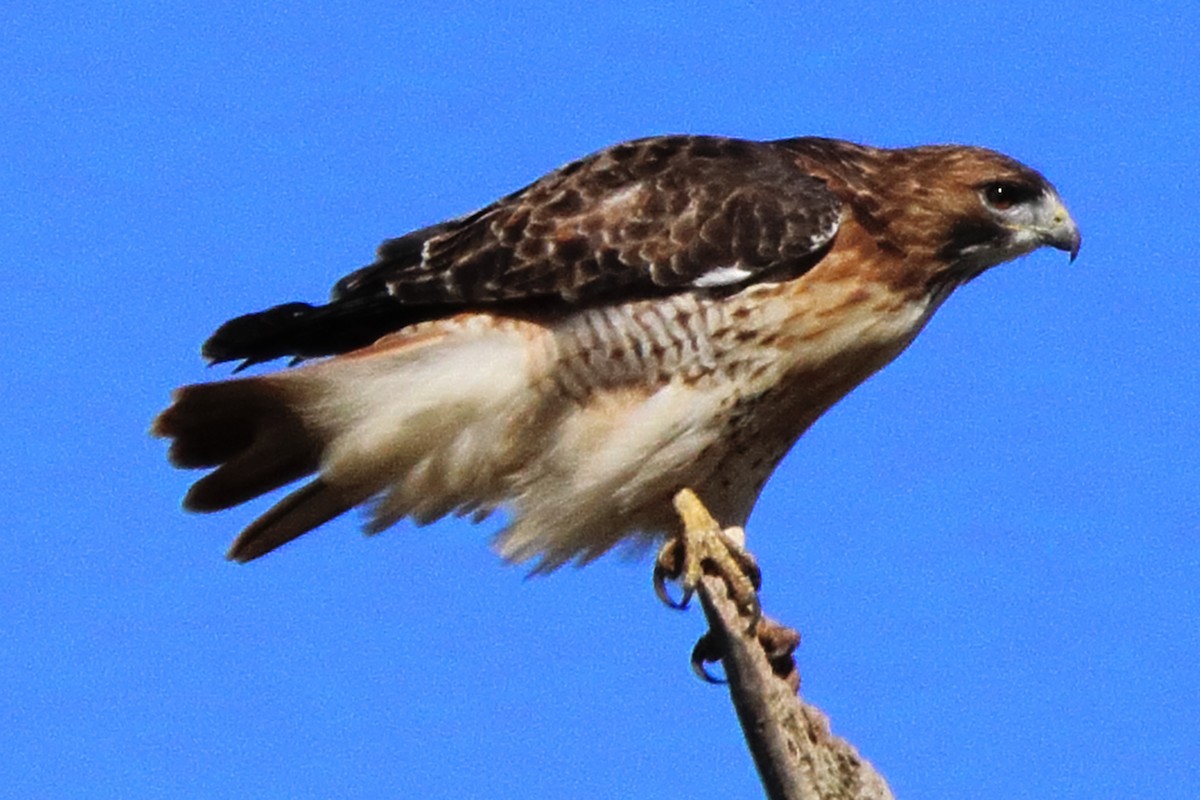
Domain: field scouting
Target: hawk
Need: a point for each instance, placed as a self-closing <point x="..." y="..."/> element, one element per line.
<point x="669" y="312"/>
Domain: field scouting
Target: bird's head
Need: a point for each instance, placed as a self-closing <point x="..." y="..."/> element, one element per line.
<point x="983" y="208"/>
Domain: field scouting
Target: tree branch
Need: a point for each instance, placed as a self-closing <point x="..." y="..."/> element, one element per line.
<point x="796" y="754"/>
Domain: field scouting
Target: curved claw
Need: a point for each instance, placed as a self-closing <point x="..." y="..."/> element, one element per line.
<point x="666" y="568"/>
<point x="705" y="652"/>
<point x="660" y="589"/>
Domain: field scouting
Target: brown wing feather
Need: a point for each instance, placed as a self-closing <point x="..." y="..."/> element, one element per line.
<point x="649" y="215"/>
<point x="639" y="219"/>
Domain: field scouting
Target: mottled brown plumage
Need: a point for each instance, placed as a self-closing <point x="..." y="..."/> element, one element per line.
<point x="668" y="312"/>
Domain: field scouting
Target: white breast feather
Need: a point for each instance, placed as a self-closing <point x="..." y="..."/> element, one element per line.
<point x="585" y="489"/>
<point x="432" y="427"/>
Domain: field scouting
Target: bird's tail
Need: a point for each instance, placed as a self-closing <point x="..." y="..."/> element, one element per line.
<point x="254" y="432"/>
<point x="429" y="421"/>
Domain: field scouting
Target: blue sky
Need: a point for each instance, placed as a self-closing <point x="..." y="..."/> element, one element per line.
<point x="992" y="548"/>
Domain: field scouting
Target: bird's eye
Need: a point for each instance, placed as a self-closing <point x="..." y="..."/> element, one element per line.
<point x="1003" y="195"/>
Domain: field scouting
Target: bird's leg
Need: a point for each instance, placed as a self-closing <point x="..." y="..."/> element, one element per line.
<point x="703" y="546"/>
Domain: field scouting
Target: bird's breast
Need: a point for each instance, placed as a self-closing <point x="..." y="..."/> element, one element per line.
<point x="813" y="338"/>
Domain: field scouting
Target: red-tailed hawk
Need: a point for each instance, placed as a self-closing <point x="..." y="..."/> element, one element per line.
<point x="670" y="312"/>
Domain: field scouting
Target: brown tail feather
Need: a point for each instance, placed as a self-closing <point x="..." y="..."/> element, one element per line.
<point x="246" y="428"/>
<point x="431" y="419"/>
<point x="308" y="507"/>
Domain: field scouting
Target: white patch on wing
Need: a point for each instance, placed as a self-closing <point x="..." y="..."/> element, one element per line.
<point x="722" y="276"/>
<point x="615" y="202"/>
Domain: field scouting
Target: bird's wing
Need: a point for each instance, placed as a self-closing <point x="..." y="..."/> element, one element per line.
<point x="639" y="219"/>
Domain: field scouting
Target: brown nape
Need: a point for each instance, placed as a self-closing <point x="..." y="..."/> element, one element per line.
<point x="246" y="429"/>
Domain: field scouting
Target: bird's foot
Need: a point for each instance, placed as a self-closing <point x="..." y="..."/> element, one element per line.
<point x="778" y="641"/>
<point x="703" y="547"/>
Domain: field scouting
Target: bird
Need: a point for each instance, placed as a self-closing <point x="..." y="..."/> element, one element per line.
<point x="668" y="313"/>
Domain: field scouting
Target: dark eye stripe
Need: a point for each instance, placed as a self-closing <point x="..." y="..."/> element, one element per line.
<point x="1003" y="195"/>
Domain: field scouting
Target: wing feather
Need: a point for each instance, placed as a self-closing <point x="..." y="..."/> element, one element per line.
<point x="647" y="215"/>
<point x="639" y="219"/>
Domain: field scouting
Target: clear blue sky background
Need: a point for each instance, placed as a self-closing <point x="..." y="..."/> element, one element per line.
<point x="992" y="548"/>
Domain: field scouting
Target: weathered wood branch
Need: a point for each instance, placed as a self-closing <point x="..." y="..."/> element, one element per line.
<point x="796" y="754"/>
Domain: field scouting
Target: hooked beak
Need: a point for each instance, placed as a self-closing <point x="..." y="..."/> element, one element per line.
<point x="1063" y="233"/>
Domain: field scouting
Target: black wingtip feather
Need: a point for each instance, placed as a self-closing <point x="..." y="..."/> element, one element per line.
<point x="261" y="336"/>
<point x="302" y="331"/>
